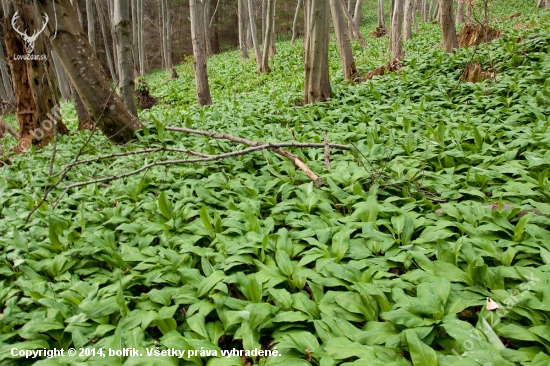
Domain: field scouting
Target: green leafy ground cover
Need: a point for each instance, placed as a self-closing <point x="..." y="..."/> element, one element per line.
<point x="389" y="263"/>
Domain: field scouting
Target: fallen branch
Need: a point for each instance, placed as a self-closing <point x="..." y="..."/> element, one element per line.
<point x="273" y="147"/>
<point x="6" y="127"/>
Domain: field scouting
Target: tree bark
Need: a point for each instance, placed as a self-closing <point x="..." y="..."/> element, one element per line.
<point x="424" y="10"/>
<point x="380" y="15"/>
<point x="91" y="23"/>
<point x="540" y="3"/>
<point x="196" y="8"/>
<point x="106" y="43"/>
<point x="343" y="40"/>
<point x="135" y="52"/>
<point x="208" y="44"/>
<point x="409" y="13"/>
<point x="268" y="36"/>
<point x="121" y="17"/>
<point x="141" y="32"/>
<point x="163" y="34"/>
<point x="85" y="72"/>
<point x="468" y="11"/>
<point x="254" y="33"/>
<point x="450" y="40"/>
<point x="396" y="30"/>
<point x="7" y="84"/>
<point x="460" y="12"/>
<point x="242" y="12"/>
<point x="272" y="48"/>
<point x="317" y="81"/>
<point x="62" y="80"/>
<point x="357" y="13"/>
<point x="295" y="21"/>
<point x="355" y="28"/>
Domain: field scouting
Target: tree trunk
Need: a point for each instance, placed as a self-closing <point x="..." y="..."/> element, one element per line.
<point x="62" y="80"/>
<point x="208" y="44"/>
<point x="435" y="14"/>
<point x="242" y="12"/>
<point x="121" y="17"/>
<point x="357" y="14"/>
<point x="268" y="36"/>
<point x="468" y="11"/>
<point x="343" y="40"/>
<point x="380" y="15"/>
<point x="355" y="28"/>
<point x="7" y="84"/>
<point x="106" y="42"/>
<point x="424" y="10"/>
<point x="91" y="23"/>
<point x="295" y="22"/>
<point x="135" y="52"/>
<point x="254" y="33"/>
<point x="196" y="8"/>
<point x="450" y="40"/>
<point x="460" y="12"/>
<point x="141" y="32"/>
<point x="409" y="13"/>
<point x="110" y="12"/>
<point x="396" y="30"/>
<point x="317" y="81"/>
<point x="264" y="19"/>
<point x="163" y="37"/>
<point x="85" y="72"/>
<point x="272" y="48"/>
<point x="34" y="83"/>
<point x="415" y="22"/>
<point x="540" y="3"/>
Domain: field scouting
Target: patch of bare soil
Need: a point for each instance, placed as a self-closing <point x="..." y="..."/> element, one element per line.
<point x="145" y="99"/>
<point x="391" y="66"/>
<point x="474" y="72"/>
<point x="476" y="34"/>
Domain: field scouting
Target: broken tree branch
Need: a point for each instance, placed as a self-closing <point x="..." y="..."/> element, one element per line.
<point x="6" y="127"/>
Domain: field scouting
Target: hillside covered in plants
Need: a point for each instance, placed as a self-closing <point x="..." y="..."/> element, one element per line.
<point x="425" y="240"/>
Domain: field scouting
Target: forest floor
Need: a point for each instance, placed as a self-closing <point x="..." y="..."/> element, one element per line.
<point x="428" y="243"/>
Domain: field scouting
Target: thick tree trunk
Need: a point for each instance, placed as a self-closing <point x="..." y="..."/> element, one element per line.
<point x="85" y="72"/>
<point x="396" y="30"/>
<point x="7" y="84"/>
<point x="62" y="80"/>
<point x="450" y="40"/>
<point x="196" y="8"/>
<point x="547" y="4"/>
<point x="343" y="40"/>
<point x="540" y="3"/>
<point x="317" y="82"/>
<point x="409" y="13"/>
<point x="254" y="33"/>
<point x="268" y="36"/>
<point x="124" y="47"/>
<point x="91" y="23"/>
<point x="35" y="88"/>
<point x="106" y="43"/>
<point x="242" y="13"/>
<point x="295" y="21"/>
<point x="460" y="12"/>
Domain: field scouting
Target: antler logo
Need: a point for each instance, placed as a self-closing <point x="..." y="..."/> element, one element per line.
<point x="29" y="40"/>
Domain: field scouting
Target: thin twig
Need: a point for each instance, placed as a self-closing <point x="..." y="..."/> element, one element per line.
<point x="327" y="152"/>
<point x="54" y="151"/>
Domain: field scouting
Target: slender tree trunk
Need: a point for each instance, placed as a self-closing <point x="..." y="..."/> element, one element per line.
<point x="84" y="120"/>
<point x="357" y="14"/>
<point x="540" y="3"/>
<point x="355" y="28"/>
<point x="62" y="80"/>
<point x="409" y="12"/>
<point x="106" y="42"/>
<point x="268" y="36"/>
<point x="110" y="12"/>
<point x="380" y="15"/>
<point x="124" y="47"/>
<point x="415" y="22"/>
<point x="163" y="37"/>
<point x="196" y="8"/>
<point x="295" y="22"/>
<point x="135" y="54"/>
<point x="547" y="4"/>
<point x="264" y="19"/>
<point x="424" y="10"/>
<point x="469" y="11"/>
<point x="396" y="30"/>
<point x="208" y="44"/>
<point x="254" y="33"/>
<point x="460" y="12"/>
<point x="450" y="40"/>
<point x="272" y="48"/>
<point x="434" y="15"/>
<point x="343" y="40"/>
<point x="241" y="13"/>
<point x="317" y="82"/>
<point x="141" y="33"/>
<point x="91" y="23"/>
<point x="85" y="72"/>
